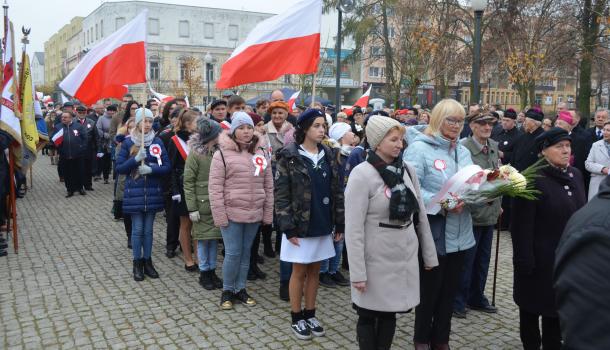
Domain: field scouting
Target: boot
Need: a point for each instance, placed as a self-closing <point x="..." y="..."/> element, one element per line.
<point x="138" y="270"/>
<point x="205" y="280"/>
<point x="365" y="333"/>
<point x="252" y="276"/>
<point x="267" y="246"/>
<point x="217" y="281"/>
<point x="440" y="347"/>
<point x="149" y="269"/>
<point x="258" y="272"/>
<point x="386" y="327"/>
<point x="422" y="346"/>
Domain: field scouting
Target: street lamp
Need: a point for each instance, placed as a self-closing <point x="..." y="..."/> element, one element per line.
<point x="208" y="59"/>
<point x="478" y="6"/>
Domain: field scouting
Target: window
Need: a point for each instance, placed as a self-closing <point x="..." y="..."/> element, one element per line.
<point x="288" y="79"/>
<point x="87" y="35"/>
<point x="233" y="32"/>
<point x="96" y="32"/>
<point x="119" y="22"/>
<point x="344" y="71"/>
<point x="153" y="73"/>
<point x="376" y="51"/>
<point x="183" y="29"/>
<point x="153" y="26"/>
<point x="327" y="71"/>
<point x="373" y="72"/>
<point x="208" y="30"/>
<point x="391" y="32"/>
<point x="182" y="70"/>
<point x="101" y="28"/>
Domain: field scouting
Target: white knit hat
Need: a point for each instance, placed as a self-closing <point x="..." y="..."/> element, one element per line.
<point x="143" y="112"/>
<point x="376" y="129"/>
<point x="240" y="118"/>
<point x="337" y="130"/>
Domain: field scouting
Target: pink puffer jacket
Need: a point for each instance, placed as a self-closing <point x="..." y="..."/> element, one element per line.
<point x="236" y="194"/>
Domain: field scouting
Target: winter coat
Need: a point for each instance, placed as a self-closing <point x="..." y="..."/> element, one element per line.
<point x="119" y="182"/>
<point x="74" y="143"/>
<point x="177" y="162"/>
<point x="581" y="278"/>
<point x="536" y="229"/>
<point x="142" y="193"/>
<point x="103" y="133"/>
<point x="89" y="126"/>
<point x="383" y="256"/>
<point x="276" y="137"/>
<point x="485" y="214"/>
<point x="293" y="192"/>
<point x="196" y="176"/>
<point x="506" y="142"/>
<point x="236" y="194"/>
<point x="423" y="150"/>
<point x="525" y="152"/>
<point x="599" y="158"/>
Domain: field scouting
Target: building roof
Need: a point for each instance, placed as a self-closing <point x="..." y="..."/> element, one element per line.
<point x="40" y="57"/>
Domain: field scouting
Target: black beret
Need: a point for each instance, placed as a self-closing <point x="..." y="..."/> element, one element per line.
<point x="534" y="113"/>
<point x="510" y="113"/>
<point x="81" y="108"/>
<point x="112" y="108"/>
<point x="310" y="113"/>
<point x="218" y="103"/>
<point x="68" y="104"/>
<point x="551" y="137"/>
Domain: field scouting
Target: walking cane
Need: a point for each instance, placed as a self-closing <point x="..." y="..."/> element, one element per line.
<point x="493" y="293"/>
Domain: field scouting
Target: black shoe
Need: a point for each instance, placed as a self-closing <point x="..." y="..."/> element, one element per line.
<point x="192" y="268"/>
<point x="486" y="308"/>
<point x="170" y="253"/>
<point x="217" y="281"/>
<point x="301" y="330"/>
<point x="459" y="314"/>
<point x="257" y="271"/>
<point x="82" y="192"/>
<point x="260" y="260"/>
<point x="268" y="251"/>
<point x="327" y="281"/>
<point x="106" y="181"/>
<point x="70" y="194"/>
<point x="89" y="189"/>
<point x="149" y="269"/>
<point x="129" y="243"/>
<point x="339" y="279"/>
<point x="205" y="280"/>
<point x="252" y="276"/>
<point x="243" y="297"/>
<point x="226" y="300"/>
<point x="3" y="252"/>
<point x="96" y="179"/>
<point x="316" y="328"/>
<point x="3" y="245"/>
<point x="138" y="270"/>
<point x="284" y="292"/>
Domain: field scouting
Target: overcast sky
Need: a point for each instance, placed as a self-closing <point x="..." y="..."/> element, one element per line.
<point x="46" y="17"/>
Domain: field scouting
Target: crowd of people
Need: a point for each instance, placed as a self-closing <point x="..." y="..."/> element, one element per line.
<point x="342" y="190"/>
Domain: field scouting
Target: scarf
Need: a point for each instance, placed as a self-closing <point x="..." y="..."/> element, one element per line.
<point x="403" y="203"/>
<point x="136" y="137"/>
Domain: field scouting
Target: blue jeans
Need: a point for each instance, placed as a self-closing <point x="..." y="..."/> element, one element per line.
<point x="332" y="265"/>
<point x="206" y="254"/>
<point x="238" y="238"/>
<point x="476" y="266"/>
<point x="142" y="234"/>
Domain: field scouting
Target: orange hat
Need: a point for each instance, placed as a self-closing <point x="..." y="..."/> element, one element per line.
<point x="278" y="104"/>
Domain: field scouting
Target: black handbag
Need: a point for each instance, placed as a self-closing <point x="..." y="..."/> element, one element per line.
<point x="437" y="226"/>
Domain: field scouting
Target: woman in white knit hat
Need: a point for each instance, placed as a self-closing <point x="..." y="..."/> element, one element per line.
<point x="385" y="225"/>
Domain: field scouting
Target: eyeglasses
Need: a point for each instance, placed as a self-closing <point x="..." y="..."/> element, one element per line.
<point x="454" y="122"/>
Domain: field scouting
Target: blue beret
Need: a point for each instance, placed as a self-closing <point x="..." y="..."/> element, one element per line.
<point x="310" y="113"/>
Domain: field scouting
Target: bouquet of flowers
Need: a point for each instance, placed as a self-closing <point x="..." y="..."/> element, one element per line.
<point x="475" y="186"/>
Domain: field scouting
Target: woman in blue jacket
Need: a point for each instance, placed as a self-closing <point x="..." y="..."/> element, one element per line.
<point x="143" y="196"/>
<point x="437" y="155"/>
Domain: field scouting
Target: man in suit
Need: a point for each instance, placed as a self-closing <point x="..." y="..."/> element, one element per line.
<point x="525" y="152"/>
<point x="584" y="139"/>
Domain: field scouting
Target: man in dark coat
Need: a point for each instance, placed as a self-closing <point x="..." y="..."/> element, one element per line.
<point x="581" y="275"/>
<point x="584" y="140"/>
<point x="525" y="152"/>
<point x="70" y="138"/>
<point x="90" y="153"/>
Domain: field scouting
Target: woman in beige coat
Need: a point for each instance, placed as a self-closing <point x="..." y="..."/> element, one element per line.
<point x="385" y="224"/>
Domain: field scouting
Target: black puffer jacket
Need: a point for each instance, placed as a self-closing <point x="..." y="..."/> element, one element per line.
<point x="74" y="143"/>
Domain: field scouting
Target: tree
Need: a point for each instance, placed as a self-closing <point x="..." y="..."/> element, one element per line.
<point x="191" y="80"/>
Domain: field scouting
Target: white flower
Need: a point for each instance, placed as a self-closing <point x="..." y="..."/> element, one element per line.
<point x="518" y="180"/>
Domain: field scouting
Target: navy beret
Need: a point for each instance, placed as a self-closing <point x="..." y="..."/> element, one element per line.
<point x="551" y="137"/>
<point x="510" y="113"/>
<point x="534" y="113"/>
<point x="310" y="113"/>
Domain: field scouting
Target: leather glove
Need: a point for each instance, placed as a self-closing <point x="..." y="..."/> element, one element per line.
<point x="177" y="198"/>
<point x="194" y="215"/>
<point x="141" y="154"/>
<point x="144" y="170"/>
<point x="100" y="155"/>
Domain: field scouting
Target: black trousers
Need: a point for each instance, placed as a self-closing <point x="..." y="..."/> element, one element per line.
<point x="437" y="292"/>
<point x="72" y="170"/>
<point x="173" y="225"/>
<point x="529" y="330"/>
<point x="375" y="330"/>
<point x="88" y="172"/>
<point x="127" y="224"/>
<point x="103" y="165"/>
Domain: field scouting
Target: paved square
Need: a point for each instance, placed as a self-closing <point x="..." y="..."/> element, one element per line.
<point x="71" y="286"/>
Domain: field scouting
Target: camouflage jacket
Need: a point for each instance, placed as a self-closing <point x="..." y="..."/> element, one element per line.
<point x="293" y="196"/>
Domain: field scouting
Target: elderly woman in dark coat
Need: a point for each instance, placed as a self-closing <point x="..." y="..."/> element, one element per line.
<point x="536" y="229"/>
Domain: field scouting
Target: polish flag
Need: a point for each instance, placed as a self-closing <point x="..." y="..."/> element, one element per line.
<point x="186" y="99"/>
<point x="160" y="97"/>
<point x="58" y="138"/>
<point x="118" y="60"/>
<point x="292" y="100"/>
<point x="9" y="106"/>
<point x="363" y="101"/>
<point x="288" y="43"/>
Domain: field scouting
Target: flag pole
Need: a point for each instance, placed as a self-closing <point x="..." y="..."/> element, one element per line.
<point x="313" y="91"/>
<point x="142" y="145"/>
<point x="13" y="201"/>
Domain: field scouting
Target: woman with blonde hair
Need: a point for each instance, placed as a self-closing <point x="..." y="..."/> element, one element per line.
<point x="436" y="154"/>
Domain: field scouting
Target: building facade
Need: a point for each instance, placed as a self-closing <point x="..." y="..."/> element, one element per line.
<point x="37" y="67"/>
<point x="56" y="51"/>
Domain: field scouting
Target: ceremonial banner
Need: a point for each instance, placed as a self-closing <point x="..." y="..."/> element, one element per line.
<point x="9" y="111"/>
<point x="29" y="131"/>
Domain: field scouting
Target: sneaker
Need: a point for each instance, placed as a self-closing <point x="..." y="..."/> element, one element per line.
<point x="485" y="308"/>
<point x="284" y="293"/>
<point x="243" y="297"/>
<point x="340" y="279"/>
<point x="315" y="327"/>
<point x="327" y="281"/>
<point x="226" y="300"/>
<point x="301" y="330"/>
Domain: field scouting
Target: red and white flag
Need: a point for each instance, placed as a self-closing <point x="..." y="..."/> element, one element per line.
<point x="9" y="120"/>
<point x="159" y="96"/>
<point x="363" y="101"/>
<point x="293" y="99"/>
<point x="118" y="60"/>
<point x="288" y="43"/>
<point x="58" y="138"/>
